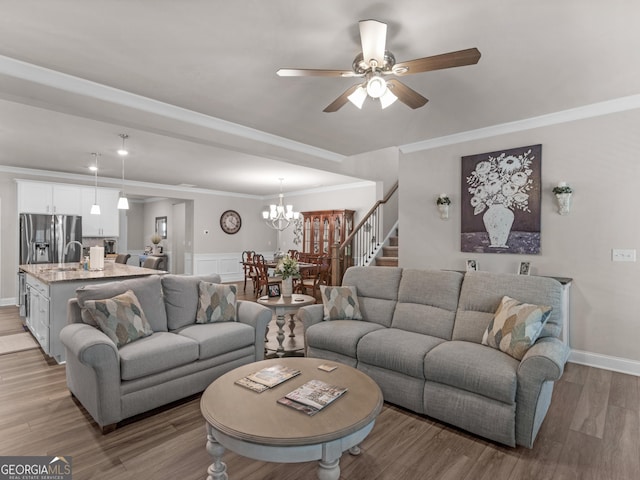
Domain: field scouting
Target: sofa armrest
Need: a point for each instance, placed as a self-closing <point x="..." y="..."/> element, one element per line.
<point x="540" y="367"/>
<point x="545" y="360"/>
<point x="84" y="342"/>
<point x="310" y="315"/>
<point x="93" y="371"/>
<point x="257" y="316"/>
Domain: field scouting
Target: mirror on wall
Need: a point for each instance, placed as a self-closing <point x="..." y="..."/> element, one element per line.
<point x="161" y="226"/>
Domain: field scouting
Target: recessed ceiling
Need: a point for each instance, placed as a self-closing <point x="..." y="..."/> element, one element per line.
<point x="194" y="84"/>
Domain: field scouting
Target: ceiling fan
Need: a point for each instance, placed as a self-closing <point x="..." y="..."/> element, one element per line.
<point x="375" y="62"/>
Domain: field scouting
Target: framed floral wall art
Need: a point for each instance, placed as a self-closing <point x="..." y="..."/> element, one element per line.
<point x="501" y="194"/>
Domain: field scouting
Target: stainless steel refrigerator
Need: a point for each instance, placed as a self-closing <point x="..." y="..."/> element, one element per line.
<point x="43" y="239"/>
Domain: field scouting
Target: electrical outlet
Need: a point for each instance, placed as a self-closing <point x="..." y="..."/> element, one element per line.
<point x="621" y="255"/>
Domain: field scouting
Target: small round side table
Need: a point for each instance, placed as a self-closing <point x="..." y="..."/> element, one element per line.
<point x="283" y="306"/>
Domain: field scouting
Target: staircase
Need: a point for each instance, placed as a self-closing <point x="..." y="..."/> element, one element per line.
<point x="389" y="257"/>
<point x="362" y="246"/>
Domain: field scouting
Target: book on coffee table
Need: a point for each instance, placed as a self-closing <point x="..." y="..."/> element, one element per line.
<point x="315" y="394"/>
<point x="267" y="378"/>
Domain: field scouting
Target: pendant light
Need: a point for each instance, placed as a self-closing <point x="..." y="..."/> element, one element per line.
<point x="95" y="208"/>
<point x="123" y="202"/>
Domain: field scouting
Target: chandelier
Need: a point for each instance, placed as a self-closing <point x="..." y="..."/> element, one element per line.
<point x="279" y="217"/>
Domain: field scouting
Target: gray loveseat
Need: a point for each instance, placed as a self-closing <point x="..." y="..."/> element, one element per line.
<point x="420" y="340"/>
<point x="180" y="358"/>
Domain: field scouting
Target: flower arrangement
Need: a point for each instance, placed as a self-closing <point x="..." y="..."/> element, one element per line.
<point x="443" y="199"/>
<point x="502" y="180"/>
<point x="561" y="188"/>
<point x="156" y="238"/>
<point x="287" y="267"/>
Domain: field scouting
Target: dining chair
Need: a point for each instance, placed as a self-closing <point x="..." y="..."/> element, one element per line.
<point x="122" y="257"/>
<point x="249" y="269"/>
<point x="319" y="275"/>
<point x="153" y="262"/>
<point x="262" y="274"/>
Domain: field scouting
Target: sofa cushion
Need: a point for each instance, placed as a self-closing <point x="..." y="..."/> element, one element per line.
<point x="377" y="291"/>
<point x="216" y="303"/>
<point x="397" y="350"/>
<point x="121" y="318"/>
<point x="474" y="368"/>
<point x="219" y="338"/>
<point x="482" y="292"/>
<point x="181" y="297"/>
<point x="156" y="353"/>
<point x="148" y="290"/>
<point x="515" y="327"/>
<point x="427" y="302"/>
<point x="340" y="303"/>
<point x="339" y="336"/>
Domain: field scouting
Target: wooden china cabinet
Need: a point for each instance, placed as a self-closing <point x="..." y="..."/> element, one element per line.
<point x="323" y="228"/>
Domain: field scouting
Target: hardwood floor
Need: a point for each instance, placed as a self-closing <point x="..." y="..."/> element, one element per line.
<point x="592" y="431"/>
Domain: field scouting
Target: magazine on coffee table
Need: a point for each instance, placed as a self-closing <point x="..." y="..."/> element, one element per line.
<point x="267" y="378"/>
<point x="315" y="394"/>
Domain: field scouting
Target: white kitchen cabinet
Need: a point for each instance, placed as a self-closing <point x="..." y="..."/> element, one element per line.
<point x="37" y="318"/>
<point x="42" y="197"/>
<point x="107" y="224"/>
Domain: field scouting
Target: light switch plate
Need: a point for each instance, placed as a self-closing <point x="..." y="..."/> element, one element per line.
<point x="622" y="255"/>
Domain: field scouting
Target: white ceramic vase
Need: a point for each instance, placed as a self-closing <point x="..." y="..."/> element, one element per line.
<point x="564" y="203"/>
<point x="287" y="287"/>
<point x="443" y="208"/>
<point x="498" y="220"/>
<point x="156" y="249"/>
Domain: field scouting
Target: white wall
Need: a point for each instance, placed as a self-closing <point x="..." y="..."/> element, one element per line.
<point x="599" y="158"/>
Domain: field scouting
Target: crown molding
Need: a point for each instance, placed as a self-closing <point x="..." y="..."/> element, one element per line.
<point x="117" y="183"/>
<point x="588" y="111"/>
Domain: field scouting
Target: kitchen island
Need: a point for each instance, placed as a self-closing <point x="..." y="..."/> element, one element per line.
<point x="49" y="288"/>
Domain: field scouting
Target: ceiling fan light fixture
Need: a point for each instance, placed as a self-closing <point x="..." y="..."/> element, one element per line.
<point x="358" y="97"/>
<point x="376" y="86"/>
<point x="387" y="99"/>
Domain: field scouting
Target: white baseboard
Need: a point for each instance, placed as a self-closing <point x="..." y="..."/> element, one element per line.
<point x="606" y="362"/>
<point x="8" y="301"/>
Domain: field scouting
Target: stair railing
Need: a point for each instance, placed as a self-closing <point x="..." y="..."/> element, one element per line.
<point x="362" y="245"/>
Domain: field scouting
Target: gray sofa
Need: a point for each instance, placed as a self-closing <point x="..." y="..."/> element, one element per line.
<point x="420" y="340"/>
<point x="178" y="359"/>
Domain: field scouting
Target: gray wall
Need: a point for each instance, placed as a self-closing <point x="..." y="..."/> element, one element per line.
<point x="599" y="158"/>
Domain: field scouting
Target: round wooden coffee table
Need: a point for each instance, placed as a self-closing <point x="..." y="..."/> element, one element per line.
<point x="256" y="426"/>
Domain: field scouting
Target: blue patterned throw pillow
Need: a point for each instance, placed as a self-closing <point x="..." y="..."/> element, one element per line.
<point x="340" y="303"/>
<point x="121" y="318"/>
<point x="216" y="303"/>
<point x="515" y="327"/>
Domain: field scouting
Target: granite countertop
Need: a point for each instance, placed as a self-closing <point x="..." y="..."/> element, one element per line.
<point x="67" y="272"/>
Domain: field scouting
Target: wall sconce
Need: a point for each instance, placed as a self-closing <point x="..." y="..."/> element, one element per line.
<point x="563" y="195"/>
<point x="443" y="203"/>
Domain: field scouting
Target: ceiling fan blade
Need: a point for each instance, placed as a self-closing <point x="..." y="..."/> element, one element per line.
<point x="309" y="72"/>
<point x="405" y="94"/>
<point x="373" y="36"/>
<point x="460" y="58"/>
<point x="339" y="102"/>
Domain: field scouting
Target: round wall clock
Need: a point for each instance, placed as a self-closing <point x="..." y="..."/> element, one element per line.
<point x="230" y="222"/>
